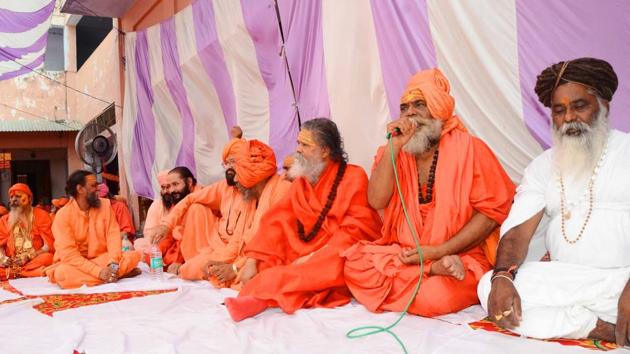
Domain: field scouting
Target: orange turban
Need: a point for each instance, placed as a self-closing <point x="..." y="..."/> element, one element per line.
<point x="255" y="161"/>
<point x="161" y="177"/>
<point x="20" y="187"/>
<point x="58" y="203"/>
<point x="231" y="148"/>
<point x="434" y="87"/>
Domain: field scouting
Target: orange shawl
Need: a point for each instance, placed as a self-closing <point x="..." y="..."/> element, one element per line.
<point x="468" y="178"/>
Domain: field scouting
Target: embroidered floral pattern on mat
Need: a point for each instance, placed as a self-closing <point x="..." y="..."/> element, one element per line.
<point x="488" y="325"/>
<point x="54" y="303"/>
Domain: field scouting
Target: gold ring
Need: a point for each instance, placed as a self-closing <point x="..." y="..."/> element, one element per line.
<point x="507" y="312"/>
<point x="498" y="317"/>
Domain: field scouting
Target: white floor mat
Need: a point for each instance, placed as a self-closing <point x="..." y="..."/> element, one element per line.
<point x="7" y="295"/>
<point x="193" y="320"/>
<point x="25" y="330"/>
<point x="143" y="282"/>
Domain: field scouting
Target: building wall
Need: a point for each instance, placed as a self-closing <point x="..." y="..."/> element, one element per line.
<point x="56" y="147"/>
<point x="98" y="77"/>
<point x="146" y="13"/>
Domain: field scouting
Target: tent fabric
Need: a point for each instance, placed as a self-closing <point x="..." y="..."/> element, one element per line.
<point x="23" y="35"/>
<point x="219" y="63"/>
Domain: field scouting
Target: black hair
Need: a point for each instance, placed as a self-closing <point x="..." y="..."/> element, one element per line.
<point x="77" y="178"/>
<point x="184" y="173"/>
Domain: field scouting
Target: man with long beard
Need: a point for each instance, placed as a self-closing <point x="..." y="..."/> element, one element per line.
<point x="26" y="240"/>
<point x="456" y="193"/>
<point x="578" y="192"/>
<point x="88" y="247"/>
<point x="212" y="245"/>
<point x="294" y="259"/>
<point x="180" y="182"/>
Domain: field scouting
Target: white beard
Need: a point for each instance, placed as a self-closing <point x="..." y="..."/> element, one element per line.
<point x="310" y="169"/>
<point x="425" y="137"/>
<point x="19" y="214"/>
<point x="575" y="157"/>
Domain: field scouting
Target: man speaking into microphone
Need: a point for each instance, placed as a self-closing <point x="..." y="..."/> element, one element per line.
<point x="457" y="195"/>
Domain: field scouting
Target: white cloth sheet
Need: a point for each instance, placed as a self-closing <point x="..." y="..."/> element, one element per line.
<point x="143" y="282"/>
<point x="7" y="295"/>
<point x="193" y="320"/>
<point x="25" y="330"/>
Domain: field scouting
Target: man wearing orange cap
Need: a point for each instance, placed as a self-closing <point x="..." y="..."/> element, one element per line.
<point x="456" y="193"/>
<point x="294" y="259"/>
<point x="251" y="187"/>
<point x="121" y="210"/>
<point x="26" y="240"/>
<point x="88" y="247"/>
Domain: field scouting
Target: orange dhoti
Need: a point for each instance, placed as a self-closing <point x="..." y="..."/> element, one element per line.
<point x="69" y="277"/>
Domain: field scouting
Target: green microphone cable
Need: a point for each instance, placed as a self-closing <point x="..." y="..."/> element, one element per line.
<point x="365" y="331"/>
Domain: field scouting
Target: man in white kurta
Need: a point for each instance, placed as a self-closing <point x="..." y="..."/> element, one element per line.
<point x="577" y="196"/>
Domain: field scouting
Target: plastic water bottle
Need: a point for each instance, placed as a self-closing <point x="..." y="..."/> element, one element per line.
<point x="126" y="244"/>
<point x="155" y="264"/>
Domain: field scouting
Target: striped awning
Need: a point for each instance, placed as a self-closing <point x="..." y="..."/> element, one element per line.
<point x="23" y="35"/>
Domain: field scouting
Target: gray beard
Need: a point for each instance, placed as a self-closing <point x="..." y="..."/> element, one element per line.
<point x="426" y="136"/>
<point x="246" y="193"/>
<point x="310" y="169"/>
<point x="17" y="214"/>
<point x="575" y="157"/>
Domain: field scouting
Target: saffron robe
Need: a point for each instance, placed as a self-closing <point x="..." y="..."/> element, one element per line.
<point x="41" y="235"/>
<point x="85" y="243"/>
<point x="468" y="178"/>
<point x="317" y="282"/>
<point x="232" y="250"/>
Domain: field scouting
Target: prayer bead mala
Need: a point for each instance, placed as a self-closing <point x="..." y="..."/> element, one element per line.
<point x="322" y="215"/>
<point x="566" y="214"/>
<point x="430" y="181"/>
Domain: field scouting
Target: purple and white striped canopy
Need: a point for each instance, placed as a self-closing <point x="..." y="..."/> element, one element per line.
<point x="23" y="35"/>
<point x="216" y="64"/>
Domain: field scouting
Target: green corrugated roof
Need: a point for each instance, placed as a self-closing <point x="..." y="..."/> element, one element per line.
<point x="39" y="125"/>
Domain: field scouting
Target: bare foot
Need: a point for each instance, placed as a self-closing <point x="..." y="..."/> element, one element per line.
<point x="134" y="272"/>
<point x="603" y="331"/>
<point x="173" y="268"/>
<point x="449" y="266"/>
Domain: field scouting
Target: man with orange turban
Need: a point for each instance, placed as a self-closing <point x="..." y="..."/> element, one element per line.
<point x="88" y="247"/>
<point x="26" y="240"/>
<point x="456" y="193"/>
<point x="294" y="259"/>
<point x="212" y="245"/>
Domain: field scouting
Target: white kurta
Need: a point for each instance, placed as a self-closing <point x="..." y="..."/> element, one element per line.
<point x="583" y="281"/>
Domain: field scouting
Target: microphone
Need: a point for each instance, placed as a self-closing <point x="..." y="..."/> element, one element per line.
<point x="395" y="133"/>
